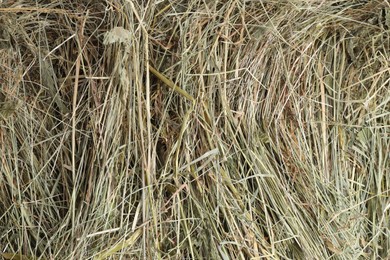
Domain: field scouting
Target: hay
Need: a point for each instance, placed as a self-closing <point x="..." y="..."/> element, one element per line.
<point x="195" y="129"/>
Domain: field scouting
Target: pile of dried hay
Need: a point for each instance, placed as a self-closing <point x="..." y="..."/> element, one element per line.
<point x="195" y="129"/>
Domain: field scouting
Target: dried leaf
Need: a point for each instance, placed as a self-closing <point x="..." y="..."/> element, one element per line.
<point x="117" y="34"/>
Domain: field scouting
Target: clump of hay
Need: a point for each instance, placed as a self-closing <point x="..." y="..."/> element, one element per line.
<point x="195" y="129"/>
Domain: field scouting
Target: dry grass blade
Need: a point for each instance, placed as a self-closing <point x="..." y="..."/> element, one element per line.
<point x="170" y="84"/>
<point x="120" y="246"/>
<point x="281" y="153"/>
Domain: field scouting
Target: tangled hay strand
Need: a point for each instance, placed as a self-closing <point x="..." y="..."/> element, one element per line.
<point x="195" y="129"/>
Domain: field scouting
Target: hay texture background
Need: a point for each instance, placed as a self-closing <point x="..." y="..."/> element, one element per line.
<point x="194" y="129"/>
